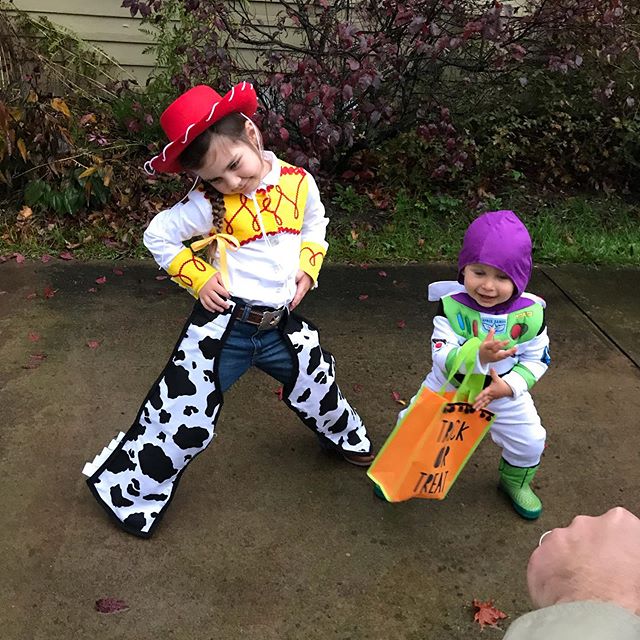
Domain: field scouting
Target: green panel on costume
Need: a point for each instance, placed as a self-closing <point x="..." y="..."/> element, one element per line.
<point x="529" y="378"/>
<point x="521" y="325"/>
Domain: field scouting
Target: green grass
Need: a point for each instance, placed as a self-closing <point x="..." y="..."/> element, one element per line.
<point x="586" y="231"/>
<point x="579" y="229"/>
<point x="604" y="231"/>
<point x="85" y="242"/>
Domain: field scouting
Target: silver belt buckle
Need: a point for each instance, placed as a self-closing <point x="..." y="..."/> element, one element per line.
<point x="270" y="319"/>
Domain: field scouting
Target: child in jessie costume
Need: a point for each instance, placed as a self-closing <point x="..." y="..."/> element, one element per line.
<point x="489" y="302"/>
<point x="264" y="226"/>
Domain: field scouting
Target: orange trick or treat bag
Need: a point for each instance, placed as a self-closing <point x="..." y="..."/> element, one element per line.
<point x="433" y="438"/>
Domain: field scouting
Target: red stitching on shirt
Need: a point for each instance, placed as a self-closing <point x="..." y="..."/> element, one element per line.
<point x="290" y="171"/>
<point x="295" y="232"/>
<point x="282" y="196"/>
<point x="255" y="225"/>
<point x="314" y="255"/>
<point x="199" y="265"/>
<point x="267" y="202"/>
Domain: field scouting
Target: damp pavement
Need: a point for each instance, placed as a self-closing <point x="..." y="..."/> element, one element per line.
<point x="269" y="537"/>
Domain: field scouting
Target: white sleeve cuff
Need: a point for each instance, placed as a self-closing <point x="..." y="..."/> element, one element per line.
<point x="481" y="368"/>
<point x="517" y="383"/>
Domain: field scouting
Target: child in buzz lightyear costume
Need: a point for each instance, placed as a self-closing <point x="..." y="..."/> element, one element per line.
<point x="489" y="302"/>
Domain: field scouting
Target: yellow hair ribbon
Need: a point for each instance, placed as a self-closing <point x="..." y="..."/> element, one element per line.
<point x="229" y="242"/>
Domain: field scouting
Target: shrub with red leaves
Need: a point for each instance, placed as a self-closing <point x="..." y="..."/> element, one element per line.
<point x="338" y="77"/>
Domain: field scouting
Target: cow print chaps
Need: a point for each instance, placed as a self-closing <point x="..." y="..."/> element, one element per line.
<point x="135" y="476"/>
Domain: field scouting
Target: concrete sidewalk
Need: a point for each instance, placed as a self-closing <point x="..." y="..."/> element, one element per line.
<point x="268" y="538"/>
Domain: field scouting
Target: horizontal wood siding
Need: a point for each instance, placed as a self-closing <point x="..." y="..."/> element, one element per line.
<point x="103" y="23"/>
<point x="111" y="28"/>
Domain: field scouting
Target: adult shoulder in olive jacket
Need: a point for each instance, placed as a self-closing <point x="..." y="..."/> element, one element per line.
<point x="577" y="621"/>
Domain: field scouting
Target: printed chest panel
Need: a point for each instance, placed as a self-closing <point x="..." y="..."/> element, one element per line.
<point x="517" y="327"/>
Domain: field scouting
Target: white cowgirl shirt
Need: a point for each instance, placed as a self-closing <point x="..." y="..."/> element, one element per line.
<point x="273" y="245"/>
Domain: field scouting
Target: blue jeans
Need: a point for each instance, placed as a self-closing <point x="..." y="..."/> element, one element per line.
<point x="246" y="346"/>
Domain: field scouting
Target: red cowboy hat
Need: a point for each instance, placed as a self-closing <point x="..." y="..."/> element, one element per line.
<point x="194" y="112"/>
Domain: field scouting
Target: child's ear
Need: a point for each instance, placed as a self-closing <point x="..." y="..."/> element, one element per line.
<point x="250" y="130"/>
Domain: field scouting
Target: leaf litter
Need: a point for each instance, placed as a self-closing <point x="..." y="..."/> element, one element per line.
<point x="35" y="360"/>
<point x="486" y="614"/>
<point x="111" y="605"/>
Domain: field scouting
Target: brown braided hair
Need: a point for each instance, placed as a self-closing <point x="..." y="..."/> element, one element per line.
<point x="216" y="199"/>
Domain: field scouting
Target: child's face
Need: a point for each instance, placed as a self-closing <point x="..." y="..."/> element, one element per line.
<point x="487" y="285"/>
<point x="233" y="166"/>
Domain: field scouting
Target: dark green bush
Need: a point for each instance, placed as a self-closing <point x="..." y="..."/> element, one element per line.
<point x="562" y="132"/>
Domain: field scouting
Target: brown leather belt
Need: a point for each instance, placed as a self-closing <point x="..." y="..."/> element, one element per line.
<point x="262" y="317"/>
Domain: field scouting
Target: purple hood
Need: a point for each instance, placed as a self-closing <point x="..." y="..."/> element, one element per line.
<point x="499" y="239"/>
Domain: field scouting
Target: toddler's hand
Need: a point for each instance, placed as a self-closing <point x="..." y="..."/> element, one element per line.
<point x="494" y="350"/>
<point x="213" y="294"/>
<point x="497" y="389"/>
<point x="304" y="282"/>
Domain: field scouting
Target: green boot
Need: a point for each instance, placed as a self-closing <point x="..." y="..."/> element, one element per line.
<point x="514" y="481"/>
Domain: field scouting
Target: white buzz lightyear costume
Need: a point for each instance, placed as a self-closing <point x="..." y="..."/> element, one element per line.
<point x="517" y="428"/>
<point x="499" y="240"/>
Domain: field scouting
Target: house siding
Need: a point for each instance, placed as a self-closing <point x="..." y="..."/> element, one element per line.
<point x="103" y="23"/>
<point x="110" y="27"/>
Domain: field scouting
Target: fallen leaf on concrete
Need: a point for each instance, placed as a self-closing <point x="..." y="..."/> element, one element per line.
<point x="101" y="280"/>
<point x="111" y="605"/>
<point x="19" y="258"/>
<point x="33" y="336"/>
<point x="401" y="324"/>
<point x="118" y="272"/>
<point x="363" y="296"/>
<point x="92" y="290"/>
<point x="161" y="277"/>
<point x="35" y="360"/>
<point x="487" y="615"/>
<point x="93" y="344"/>
<point x="66" y="255"/>
<point x="45" y="258"/>
<point x="279" y="391"/>
<point x="382" y="274"/>
<point x="49" y="292"/>
<point x="396" y="398"/>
